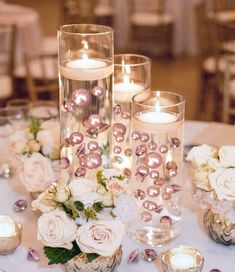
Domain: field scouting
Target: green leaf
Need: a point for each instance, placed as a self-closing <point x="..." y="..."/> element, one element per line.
<point x="101" y="179"/>
<point x="91" y="256"/>
<point x="120" y="177"/>
<point x="34" y="126"/>
<point x="58" y="255"/>
<point x="79" y="205"/>
<point x="98" y="207"/>
<point x="90" y="213"/>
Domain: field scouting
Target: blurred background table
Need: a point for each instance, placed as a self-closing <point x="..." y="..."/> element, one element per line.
<point x="216" y="255"/>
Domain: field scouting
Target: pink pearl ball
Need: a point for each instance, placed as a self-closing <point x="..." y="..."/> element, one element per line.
<point x="92" y="160"/>
<point x="92" y="145"/>
<point x="97" y="91"/>
<point x="153" y="160"/>
<point x="76" y="138"/>
<point x="81" y="97"/>
<point x="94" y="120"/>
<point x="119" y="128"/>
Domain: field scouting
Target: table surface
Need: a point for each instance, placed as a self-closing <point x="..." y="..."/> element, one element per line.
<point x="193" y="234"/>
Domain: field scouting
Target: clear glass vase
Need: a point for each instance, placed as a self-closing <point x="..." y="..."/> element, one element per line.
<point x="157" y="144"/>
<point x="86" y="78"/>
<point x="132" y="75"/>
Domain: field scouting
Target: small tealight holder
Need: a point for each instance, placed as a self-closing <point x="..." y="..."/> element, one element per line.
<point x="182" y="259"/>
<point x="10" y="235"/>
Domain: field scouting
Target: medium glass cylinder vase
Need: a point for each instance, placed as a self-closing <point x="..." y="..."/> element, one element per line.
<point x="86" y="77"/>
<point x="132" y="75"/>
<point x="157" y="143"/>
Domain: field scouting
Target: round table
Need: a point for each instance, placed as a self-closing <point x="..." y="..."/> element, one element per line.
<point x="193" y="234"/>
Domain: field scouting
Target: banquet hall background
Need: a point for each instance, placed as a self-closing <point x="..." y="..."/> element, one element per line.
<point x="190" y="43"/>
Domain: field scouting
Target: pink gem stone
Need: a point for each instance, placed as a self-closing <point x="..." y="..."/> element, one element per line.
<point x="143" y="170"/>
<point x="64" y="163"/>
<point x="144" y="137"/>
<point x="166" y="196"/>
<point x="128" y="152"/>
<point x="175" y="142"/>
<point x="97" y="91"/>
<point x="159" y="181"/>
<point x="140" y="150"/>
<point x="117" y="109"/>
<point x="76" y="138"/>
<point x="133" y="256"/>
<point x="119" y="129"/>
<point x="154" y="174"/>
<point x="103" y="127"/>
<point x="68" y="106"/>
<point x="33" y="255"/>
<point x="153" y="160"/>
<point x="117" y="149"/>
<point x="127" y="172"/>
<point x="135" y="135"/>
<point x="173" y="188"/>
<point x="80" y="150"/>
<point x="92" y="132"/>
<point x="92" y="145"/>
<point x="126" y="115"/>
<point x="81" y="97"/>
<point x="159" y="209"/>
<point x="146" y="216"/>
<point x="171" y="165"/>
<point x="152" y="146"/>
<point x="163" y="148"/>
<point x="94" y="120"/>
<point x="139" y="194"/>
<point x="149" y="205"/>
<point x="80" y="172"/>
<point x="20" y="205"/>
<point x="166" y="220"/>
<point x="153" y="191"/>
<point x="139" y="177"/>
<point x="149" y="255"/>
<point x="119" y="138"/>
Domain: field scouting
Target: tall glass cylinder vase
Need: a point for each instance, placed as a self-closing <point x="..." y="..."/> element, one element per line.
<point x="132" y="75"/>
<point x="157" y="125"/>
<point x="86" y="77"/>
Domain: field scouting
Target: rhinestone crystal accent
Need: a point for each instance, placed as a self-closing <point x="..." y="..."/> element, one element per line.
<point x="139" y="194"/>
<point x="20" y="205"/>
<point x="133" y="256"/>
<point x="33" y="255"/>
<point x="149" y="254"/>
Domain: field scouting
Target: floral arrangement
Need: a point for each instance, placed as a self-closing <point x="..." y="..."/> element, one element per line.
<point x="83" y="216"/>
<point x="214" y="177"/>
<point x="36" y="152"/>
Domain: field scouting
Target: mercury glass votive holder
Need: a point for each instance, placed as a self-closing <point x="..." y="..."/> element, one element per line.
<point x="86" y="83"/>
<point x="157" y="144"/>
<point x="132" y="75"/>
<point x="182" y="259"/>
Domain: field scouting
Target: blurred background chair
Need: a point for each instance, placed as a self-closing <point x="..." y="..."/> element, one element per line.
<point x="151" y="27"/>
<point x="7" y="61"/>
<point x="104" y="13"/>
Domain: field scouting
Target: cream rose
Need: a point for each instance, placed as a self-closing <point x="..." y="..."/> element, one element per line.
<point x="101" y="237"/>
<point x="49" y="137"/>
<point x="223" y="182"/>
<point x="227" y="156"/>
<point x="201" y="179"/>
<point x="37" y="173"/>
<point x="43" y="203"/>
<point x="199" y="155"/>
<point x="56" y="229"/>
<point x="18" y="141"/>
<point x="84" y="190"/>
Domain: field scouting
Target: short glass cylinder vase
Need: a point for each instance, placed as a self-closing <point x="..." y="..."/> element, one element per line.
<point x="157" y="144"/>
<point x="132" y="75"/>
<point x="86" y="76"/>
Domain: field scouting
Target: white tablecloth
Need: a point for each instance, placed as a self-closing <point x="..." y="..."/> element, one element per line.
<point x="216" y="255"/>
<point x="29" y="35"/>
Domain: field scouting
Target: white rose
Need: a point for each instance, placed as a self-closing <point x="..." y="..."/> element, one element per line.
<point x="37" y="173"/>
<point x="201" y="179"/>
<point x="117" y="186"/>
<point x="227" y="156"/>
<point x="107" y="199"/>
<point x="100" y="237"/>
<point x="49" y="136"/>
<point x="62" y="192"/>
<point x="125" y="209"/>
<point x="18" y="141"/>
<point x="56" y="229"/>
<point x="199" y="155"/>
<point x="223" y="182"/>
<point x="43" y="203"/>
<point x="84" y="190"/>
